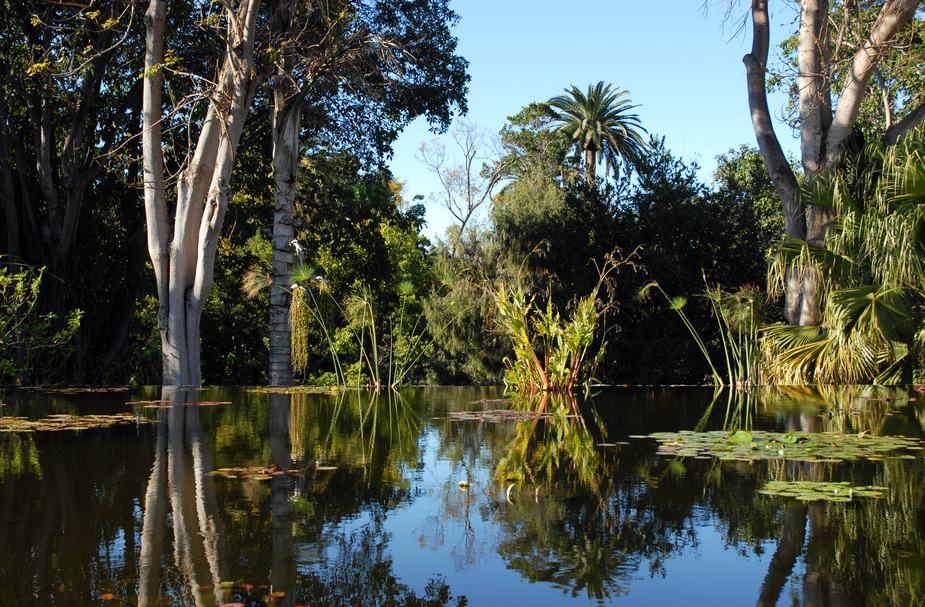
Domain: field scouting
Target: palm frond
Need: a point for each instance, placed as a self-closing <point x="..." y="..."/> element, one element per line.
<point x="875" y="311"/>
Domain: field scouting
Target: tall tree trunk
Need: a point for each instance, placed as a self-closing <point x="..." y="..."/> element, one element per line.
<point x="287" y="114"/>
<point x="184" y="261"/>
<point x="823" y="134"/>
<point x="7" y="195"/>
<point x="590" y="161"/>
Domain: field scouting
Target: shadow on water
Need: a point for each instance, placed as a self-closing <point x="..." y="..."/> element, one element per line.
<point x="451" y="497"/>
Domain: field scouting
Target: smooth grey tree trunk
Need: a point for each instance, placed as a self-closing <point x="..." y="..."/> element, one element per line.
<point x="184" y="257"/>
<point x="823" y="132"/>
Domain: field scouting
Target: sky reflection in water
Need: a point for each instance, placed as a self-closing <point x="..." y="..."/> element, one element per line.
<point x="376" y="514"/>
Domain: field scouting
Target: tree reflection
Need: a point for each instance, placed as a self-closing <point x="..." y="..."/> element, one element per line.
<point x="67" y="525"/>
<point x="179" y="482"/>
<point x="282" y="486"/>
<point x="590" y="516"/>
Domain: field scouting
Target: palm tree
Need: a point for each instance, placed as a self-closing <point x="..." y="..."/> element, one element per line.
<point x="872" y="275"/>
<point x="599" y="125"/>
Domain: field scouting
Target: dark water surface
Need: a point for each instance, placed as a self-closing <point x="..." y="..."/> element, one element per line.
<point x="396" y="499"/>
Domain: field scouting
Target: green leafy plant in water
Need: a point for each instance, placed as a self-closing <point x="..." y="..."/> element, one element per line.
<point x="750" y="445"/>
<point x="869" y="273"/>
<point x="300" y="315"/>
<point x="677" y="304"/>
<point x="358" y="310"/>
<point x="550" y="354"/>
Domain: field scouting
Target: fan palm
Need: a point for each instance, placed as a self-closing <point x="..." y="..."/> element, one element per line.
<point x="599" y="125"/>
<point x="872" y="270"/>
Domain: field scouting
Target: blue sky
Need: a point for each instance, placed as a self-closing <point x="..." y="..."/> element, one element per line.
<point x="682" y="68"/>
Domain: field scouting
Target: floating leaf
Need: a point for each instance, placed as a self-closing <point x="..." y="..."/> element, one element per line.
<point x="63" y="421"/>
<point x="809" y="491"/>
<point x="795" y="446"/>
<point x="741" y="436"/>
<point x="260" y="473"/>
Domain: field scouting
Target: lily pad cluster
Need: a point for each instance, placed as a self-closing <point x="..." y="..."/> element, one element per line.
<point x="166" y="404"/>
<point x="64" y="421"/>
<point x="260" y="473"/>
<point x="810" y="491"/>
<point x="744" y="445"/>
<point x="498" y="415"/>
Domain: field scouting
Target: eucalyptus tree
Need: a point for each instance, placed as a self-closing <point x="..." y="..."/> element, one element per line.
<point x="600" y="126"/>
<point x="861" y="40"/>
<point x="183" y="248"/>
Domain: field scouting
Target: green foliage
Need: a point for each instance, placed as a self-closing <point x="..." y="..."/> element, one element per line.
<point x="33" y="347"/>
<point x="532" y="147"/>
<point x="364" y="240"/>
<point x="551" y="354"/>
<point x="458" y="312"/>
<point x="871" y="273"/>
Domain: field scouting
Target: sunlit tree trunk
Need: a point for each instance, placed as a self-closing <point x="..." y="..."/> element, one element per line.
<point x="590" y="164"/>
<point x="823" y="132"/>
<point x="184" y="256"/>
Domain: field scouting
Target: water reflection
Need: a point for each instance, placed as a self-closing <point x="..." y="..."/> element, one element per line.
<point x="399" y="500"/>
<point x="179" y="486"/>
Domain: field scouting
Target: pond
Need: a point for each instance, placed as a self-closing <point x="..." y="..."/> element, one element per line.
<point x="445" y="496"/>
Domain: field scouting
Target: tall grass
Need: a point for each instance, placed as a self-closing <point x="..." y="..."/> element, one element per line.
<point x="739" y="315"/>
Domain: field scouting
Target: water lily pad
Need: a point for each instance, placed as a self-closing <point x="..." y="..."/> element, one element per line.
<point x="260" y="473"/>
<point x="809" y="491"/>
<point x="63" y="421"/>
<point x="795" y="446"/>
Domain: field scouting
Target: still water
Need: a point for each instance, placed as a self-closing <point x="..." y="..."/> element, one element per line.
<point x="435" y="496"/>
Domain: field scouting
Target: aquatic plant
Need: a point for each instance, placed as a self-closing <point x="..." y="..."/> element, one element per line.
<point x="870" y="273"/>
<point x="550" y="353"/>
<point x="751" y="445"/>
<point x="738" y="315"/>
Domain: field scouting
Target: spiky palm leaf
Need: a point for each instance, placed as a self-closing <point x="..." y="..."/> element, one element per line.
<point x="873" y="274"/>
<point x="876" y="311"/>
